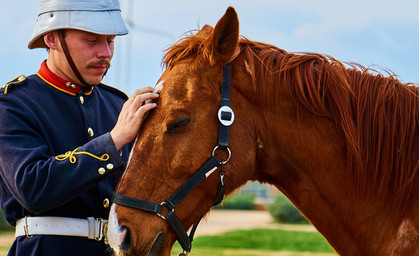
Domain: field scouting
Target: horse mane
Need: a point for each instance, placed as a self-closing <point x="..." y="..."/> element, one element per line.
<point x="377" y="116"/>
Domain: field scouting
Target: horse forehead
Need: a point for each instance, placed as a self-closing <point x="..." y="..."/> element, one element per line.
<point x="178" y="88"/>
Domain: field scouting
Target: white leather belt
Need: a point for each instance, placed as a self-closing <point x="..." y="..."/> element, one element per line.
<point x="91" y="228"/>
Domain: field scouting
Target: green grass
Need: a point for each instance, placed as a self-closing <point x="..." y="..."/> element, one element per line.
<point x="4" y="248"/>
<point x="254" y="242"/>
<point x="260" y="240"/>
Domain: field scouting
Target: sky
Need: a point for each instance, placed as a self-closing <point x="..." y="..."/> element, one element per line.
<point x="379" y="33"/>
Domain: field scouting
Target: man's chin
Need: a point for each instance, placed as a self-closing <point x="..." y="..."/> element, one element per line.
<point x="93" y="80"/>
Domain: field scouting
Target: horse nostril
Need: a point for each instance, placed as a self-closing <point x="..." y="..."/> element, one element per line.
<point x="158" y="242"/>
<point x="122" y="229"/>
<point x="126" y="242"/>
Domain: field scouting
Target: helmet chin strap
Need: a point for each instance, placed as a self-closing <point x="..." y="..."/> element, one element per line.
<point x="70" y="59"/>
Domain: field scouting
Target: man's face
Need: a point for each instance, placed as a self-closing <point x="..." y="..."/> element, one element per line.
<point x="91" y="53"/>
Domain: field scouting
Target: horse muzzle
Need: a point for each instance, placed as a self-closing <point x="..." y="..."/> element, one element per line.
<point x="121" y="240"/>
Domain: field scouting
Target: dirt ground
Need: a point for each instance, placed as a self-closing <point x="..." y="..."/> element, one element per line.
<point x="6" y="240"/>
<point x="219" y="221"/>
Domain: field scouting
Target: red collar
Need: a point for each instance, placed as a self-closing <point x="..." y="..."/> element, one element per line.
<point x="57" y="82"/>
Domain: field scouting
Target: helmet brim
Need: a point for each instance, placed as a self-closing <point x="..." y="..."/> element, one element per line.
<point x="97" y="22"/>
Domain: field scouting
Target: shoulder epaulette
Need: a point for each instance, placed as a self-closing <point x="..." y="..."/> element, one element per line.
<point x="114" y="91"/>
<point x="18" y="80"/>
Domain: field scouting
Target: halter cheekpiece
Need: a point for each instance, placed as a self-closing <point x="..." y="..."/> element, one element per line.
<point x="226" y="118"/>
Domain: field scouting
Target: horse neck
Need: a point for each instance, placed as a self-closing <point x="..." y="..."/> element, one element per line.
<point x="304" y="156"/>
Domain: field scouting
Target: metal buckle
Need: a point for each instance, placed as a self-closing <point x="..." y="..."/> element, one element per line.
<point x="101" y="227"/>
<point x="226" y="110"/>
<point x="26" y="228"/>
<point x="105" y="233"/>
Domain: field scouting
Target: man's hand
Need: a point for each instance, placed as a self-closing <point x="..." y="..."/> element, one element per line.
<point x="131" y="116"/>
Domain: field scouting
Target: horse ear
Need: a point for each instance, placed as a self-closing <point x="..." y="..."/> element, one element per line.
<point x="225" y="37"/>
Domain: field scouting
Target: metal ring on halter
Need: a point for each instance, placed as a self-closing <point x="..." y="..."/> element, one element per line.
<point x="171" y="209"/>
<point x="229" y="154"/>
<point x="161" y="216"/>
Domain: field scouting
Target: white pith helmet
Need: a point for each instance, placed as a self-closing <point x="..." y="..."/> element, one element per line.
<point x="96" y="16"/>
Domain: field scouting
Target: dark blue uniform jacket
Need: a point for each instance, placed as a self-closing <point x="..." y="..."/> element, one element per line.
<point x="42" y="119"/>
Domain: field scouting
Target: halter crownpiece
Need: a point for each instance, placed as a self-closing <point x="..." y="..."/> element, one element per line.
<point x="98" y="17"/>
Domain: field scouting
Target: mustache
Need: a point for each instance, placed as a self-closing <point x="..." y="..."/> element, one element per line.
<point x="101" y="63"/>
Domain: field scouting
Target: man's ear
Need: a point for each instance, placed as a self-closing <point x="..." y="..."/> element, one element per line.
<point x="51" y="40"/>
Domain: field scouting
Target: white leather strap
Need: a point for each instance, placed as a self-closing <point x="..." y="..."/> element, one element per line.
<point x="91" y="228"/>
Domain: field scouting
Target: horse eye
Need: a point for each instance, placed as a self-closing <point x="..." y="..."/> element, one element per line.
<point x="179" y="123"/>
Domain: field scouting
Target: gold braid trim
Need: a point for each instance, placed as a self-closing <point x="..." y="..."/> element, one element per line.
<point x="71" y="155"/>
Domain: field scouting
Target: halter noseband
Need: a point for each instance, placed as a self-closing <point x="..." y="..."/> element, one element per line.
<point x="226" y="118"/>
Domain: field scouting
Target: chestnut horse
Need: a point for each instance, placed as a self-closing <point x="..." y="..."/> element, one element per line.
<point x="341" y="142"/>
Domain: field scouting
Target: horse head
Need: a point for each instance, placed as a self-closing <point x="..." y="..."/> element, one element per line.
<point x="178" y="137"/>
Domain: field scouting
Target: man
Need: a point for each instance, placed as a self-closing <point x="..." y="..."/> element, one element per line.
<point x="65" y="137"/>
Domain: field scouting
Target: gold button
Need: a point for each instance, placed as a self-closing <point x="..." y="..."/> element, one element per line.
<point x="81" y="99"/>
<point x="90" y="132"/>
<point x="68" y="84"/>
<point x="101" y="171"/>
<point x="106" y="203"/>
<point x="109" y="166"/>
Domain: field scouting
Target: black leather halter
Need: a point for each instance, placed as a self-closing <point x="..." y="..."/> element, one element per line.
<point x="226" y="118"/>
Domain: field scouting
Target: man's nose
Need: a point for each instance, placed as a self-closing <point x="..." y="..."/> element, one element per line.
<point x="106" y="50"/>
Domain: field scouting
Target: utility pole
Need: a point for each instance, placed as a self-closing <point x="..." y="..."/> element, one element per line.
<point x="130" y="24"/>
